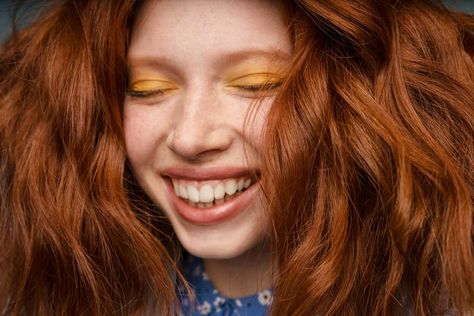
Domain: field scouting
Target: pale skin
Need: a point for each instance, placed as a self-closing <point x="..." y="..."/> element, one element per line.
<point x="195" y="68"/>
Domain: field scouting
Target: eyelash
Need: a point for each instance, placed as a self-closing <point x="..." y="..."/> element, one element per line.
<point x="145" y="94"/>
<point x="247" y="88"/>
<point x="260" y="87"/>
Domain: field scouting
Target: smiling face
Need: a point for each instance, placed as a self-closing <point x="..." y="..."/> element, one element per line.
<point x="195" y="68"/>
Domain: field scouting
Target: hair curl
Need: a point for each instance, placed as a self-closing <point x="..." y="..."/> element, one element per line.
<point x="369" y="161"/>
<point x="368" y="166"/>
<point x="73" y="240"/>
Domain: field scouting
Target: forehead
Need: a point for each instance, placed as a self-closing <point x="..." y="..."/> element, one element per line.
<point x="195" y="29"/>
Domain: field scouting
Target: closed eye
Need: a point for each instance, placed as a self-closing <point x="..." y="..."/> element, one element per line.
<point x="260" y="87"/>
<point x="145" y="89"/>
<point x="146" y="93"/>
<point x="256" y="84"/>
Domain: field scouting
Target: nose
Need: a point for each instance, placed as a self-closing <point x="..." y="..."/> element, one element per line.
<point x="201" y="127"/>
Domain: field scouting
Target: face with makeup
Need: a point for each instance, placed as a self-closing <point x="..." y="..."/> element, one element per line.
<point x="195" y="69"/>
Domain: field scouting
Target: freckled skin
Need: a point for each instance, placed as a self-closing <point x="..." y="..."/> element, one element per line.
<point x="184" y="45"/>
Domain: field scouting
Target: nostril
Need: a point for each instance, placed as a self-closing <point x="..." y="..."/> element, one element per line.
<point x="195" y="142"/>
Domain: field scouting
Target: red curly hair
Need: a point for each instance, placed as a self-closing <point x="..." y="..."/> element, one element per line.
<point x="367" y="168"/>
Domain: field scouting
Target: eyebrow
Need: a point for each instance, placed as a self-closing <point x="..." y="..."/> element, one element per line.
<point x="247" y="54"/>
<point x="225" y="57"/>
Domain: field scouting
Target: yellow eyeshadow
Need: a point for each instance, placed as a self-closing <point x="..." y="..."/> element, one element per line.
<point x="152" y="84"/>
<point x="256" y="79"/>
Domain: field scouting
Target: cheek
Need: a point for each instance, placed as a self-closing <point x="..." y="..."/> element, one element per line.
<point x="140" y="135"/>
<point x="255" y="126"/>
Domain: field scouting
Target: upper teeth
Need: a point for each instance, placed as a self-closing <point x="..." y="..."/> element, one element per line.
<point x="208" y="191"/>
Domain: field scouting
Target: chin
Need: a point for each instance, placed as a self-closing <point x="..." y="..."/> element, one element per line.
<point x="227" y="245"/>
<point x="222" y="253"/>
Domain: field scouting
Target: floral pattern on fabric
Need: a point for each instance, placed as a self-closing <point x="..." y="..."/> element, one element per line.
<point x="212" y="303"/>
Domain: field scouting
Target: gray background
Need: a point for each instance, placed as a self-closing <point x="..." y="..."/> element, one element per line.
<point x="6" y="8"/>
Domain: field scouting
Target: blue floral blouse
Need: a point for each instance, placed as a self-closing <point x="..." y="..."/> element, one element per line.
<point x="212" y="303"/>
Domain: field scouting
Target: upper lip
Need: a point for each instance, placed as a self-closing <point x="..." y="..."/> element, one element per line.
<point x="208" y="173"/>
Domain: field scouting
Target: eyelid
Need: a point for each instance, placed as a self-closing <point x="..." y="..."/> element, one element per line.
<point x="256" y="78"/>
<point x="152" y="84"/>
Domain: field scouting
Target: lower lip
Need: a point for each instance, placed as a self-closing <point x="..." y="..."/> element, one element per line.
<point x="214" y="214"/>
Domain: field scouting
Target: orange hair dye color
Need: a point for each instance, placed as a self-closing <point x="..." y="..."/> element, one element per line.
<point x="368" y="166"/>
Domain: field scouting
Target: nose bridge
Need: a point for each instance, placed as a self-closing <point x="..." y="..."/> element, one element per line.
<point x="199" y="125"/>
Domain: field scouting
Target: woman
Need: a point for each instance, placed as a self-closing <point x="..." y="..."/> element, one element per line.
<point x="128" y="129"/>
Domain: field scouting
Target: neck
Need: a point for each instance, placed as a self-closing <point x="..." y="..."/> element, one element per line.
<point x="244" y="275"/>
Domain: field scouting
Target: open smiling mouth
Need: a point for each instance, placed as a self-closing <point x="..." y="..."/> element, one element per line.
<point x="210" y="193"/>
<point x="211" y="201"/>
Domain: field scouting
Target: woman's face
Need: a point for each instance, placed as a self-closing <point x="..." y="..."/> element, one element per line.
<point x="195" y="68"/>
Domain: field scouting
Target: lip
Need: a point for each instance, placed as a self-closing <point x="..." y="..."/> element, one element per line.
<point x="212" y="215"/>
<point x="207" y="173"/>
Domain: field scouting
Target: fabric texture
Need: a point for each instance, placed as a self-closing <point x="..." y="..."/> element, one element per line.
<point x="208" y="300"/>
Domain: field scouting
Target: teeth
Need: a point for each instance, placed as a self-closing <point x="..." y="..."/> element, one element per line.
<point x="183" y="192"/>
<point x="230" y="187"/>
<point x="208" y="193"/>
<point x="247" y="183"/>
<point x="176" y="187"/>
<point x="219" y="191"/>
<point x="193" y="194"/>
<point x="240" y="184"/>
